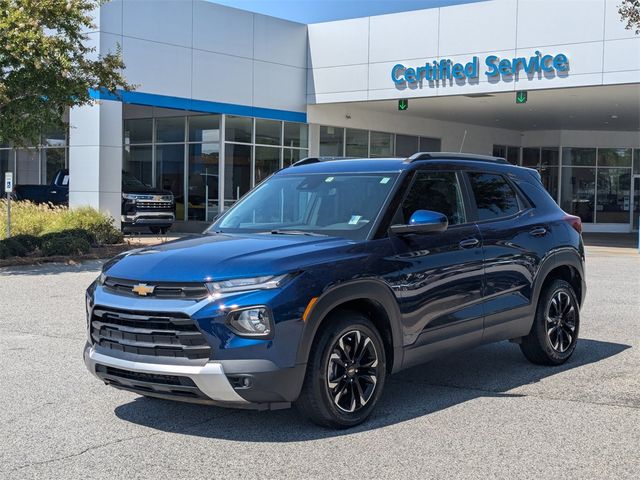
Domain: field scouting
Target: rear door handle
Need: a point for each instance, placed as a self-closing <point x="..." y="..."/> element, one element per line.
<point x="469" y="243"/>
<point x="538" y="232"/>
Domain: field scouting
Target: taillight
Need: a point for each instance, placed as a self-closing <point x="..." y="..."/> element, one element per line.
<point x="574" y="222"/>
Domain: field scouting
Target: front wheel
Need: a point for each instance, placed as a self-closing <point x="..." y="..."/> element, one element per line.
<point x="554" y="332"/>
<point x="346" y="372"/>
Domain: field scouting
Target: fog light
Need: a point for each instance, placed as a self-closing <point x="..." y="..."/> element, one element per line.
<point x="251" y="322"/>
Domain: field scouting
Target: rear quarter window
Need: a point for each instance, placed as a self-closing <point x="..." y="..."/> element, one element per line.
<point x="494" y="196"/>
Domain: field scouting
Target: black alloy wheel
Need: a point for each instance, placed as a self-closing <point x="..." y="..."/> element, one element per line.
<point x="352" y="372"/>
<point x="345" y="373"/>
<point x="554" y="332"/>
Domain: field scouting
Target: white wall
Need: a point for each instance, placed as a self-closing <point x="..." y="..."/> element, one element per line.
<point x="95" y="157"/>
<point x="351" y="60"/>
<point x="194" y="49"/>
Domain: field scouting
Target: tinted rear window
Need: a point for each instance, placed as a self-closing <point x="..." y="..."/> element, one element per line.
<point x="494" y="196"/>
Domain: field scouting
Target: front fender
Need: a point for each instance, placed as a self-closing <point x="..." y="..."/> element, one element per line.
<point x="369" y="289"/>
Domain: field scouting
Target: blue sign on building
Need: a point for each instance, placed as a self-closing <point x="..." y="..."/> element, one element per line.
<point x="445" y="69"/>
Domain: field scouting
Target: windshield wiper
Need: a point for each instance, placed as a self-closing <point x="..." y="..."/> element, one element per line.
<point x="296" y="232"/>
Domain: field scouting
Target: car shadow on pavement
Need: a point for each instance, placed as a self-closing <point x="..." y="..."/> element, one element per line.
<point x="488" y="371"/>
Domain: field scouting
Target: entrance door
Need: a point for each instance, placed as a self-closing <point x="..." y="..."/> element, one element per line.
<point x="635" y="211"/>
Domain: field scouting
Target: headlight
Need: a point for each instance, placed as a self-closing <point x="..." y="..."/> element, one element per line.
<point x="251" y="322"/>
<point x="128" y="196"/>
<point x="167" y="198"/>
<point x="246" y="284"/>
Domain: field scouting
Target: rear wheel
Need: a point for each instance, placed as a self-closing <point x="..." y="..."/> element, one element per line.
<point x="346" y="372"/>
<point x="554" y="332"/>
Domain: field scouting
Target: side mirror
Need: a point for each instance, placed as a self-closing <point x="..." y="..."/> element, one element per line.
<point x="422" y="221"/>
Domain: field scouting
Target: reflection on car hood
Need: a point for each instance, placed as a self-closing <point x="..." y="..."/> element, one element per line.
<point x="224" y="256"/>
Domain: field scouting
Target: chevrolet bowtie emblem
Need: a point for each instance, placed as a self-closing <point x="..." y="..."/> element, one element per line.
<point x="142" y="289"/>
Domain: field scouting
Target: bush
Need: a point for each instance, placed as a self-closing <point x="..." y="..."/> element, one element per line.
<point x="64" y="245"/>
<point x="70" y="234"/>
<point x="30" y="242"/>
<point x="4" y="251"/>
<point x="88" y="219"/>
<point x="15" y="247"/>
<point x="28" y="218"/>
<point x="33" y="219"/>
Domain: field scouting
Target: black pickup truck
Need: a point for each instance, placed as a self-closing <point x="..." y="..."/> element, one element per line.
<point x="142" y="205"/>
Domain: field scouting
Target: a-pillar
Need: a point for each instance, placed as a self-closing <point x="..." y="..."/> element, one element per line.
<point x="95" y="157"/>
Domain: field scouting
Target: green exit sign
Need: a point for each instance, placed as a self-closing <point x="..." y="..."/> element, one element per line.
<point x="521" y="97"/>
<point x="403" y="104"/>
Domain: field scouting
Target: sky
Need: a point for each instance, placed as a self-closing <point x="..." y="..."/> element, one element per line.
<point x="313" y="11"/>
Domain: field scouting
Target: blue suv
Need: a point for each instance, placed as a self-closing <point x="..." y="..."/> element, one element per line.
<point x="334" y="273"/>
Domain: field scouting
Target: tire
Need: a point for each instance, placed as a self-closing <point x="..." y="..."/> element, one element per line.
<point x="555" y="329"/>
<point x="338" y="392"/>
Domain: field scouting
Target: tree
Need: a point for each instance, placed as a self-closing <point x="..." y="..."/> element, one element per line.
<point x="47" y="65"/>
<point x="630" y="12"/>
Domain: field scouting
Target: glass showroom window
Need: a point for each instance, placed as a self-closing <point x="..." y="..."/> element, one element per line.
<point x="508" y="152"/>
<point x="37" y="164"/>
<point x="600" y="180"/>
<point x="203" y="186"/>
<point x="296" y="142"/>
<point x="407" y="145"/>
<point x="137" y="161"/>
<point x="428" y="144"/>
<point x="203" y="195"/>
<point x="613" y="196"/>
<point x="267" y="162"/>
<point x="547" y="161"/>
<point x="380" y="145"/>
<point x="331" y="141"/>
<point x="237" y="172"/>
<point x="579" y="182"/>
<point x="357" y="143"/>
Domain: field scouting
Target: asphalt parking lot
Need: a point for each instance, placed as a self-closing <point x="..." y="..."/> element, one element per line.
<point x="485" y="413"/>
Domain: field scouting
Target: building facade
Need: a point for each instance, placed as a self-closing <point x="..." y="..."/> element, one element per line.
<point x="224" y="97"/>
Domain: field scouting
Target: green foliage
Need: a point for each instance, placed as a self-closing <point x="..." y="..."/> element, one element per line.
<point x="4" y="251"/>
<point x="48" y="228"/>
<point x="86" y="218"/>
<point x="630" y="12"/>
<point x="15" y="247"/>
<point x="29" y="242"/>
<point x="47" y="65"/>
<point x="61" y="244"/>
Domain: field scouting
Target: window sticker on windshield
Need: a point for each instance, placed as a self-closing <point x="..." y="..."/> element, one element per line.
<point x="355" y="219"/>
<point x="385" y="180"/>
<point x="329" y="179"/>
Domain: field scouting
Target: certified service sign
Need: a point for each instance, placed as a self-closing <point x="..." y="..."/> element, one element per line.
<point x="492" y="65"/>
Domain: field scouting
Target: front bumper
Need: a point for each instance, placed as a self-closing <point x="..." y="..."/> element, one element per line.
<point x="210" y="379"/>
<point x="146" y="218"/>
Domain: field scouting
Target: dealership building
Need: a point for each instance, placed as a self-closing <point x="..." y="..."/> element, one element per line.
<point x="224" y="97"/>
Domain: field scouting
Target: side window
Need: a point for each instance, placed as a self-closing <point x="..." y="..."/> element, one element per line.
<point x="495" y="198"/>
<point x="436" y="191"/>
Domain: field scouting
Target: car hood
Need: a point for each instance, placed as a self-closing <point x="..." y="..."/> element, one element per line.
<point x="225" y="256"/>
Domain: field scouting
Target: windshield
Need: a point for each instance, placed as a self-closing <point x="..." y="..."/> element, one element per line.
<point x="129" y="180"/>
<point x="341" y="205"/>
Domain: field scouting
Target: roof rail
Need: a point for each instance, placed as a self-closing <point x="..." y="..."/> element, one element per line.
<point x="308" y="160"/>
<point x="454" y="156"/>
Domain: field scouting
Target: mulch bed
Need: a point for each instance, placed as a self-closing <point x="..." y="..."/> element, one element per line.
<point x="96" y="253"/>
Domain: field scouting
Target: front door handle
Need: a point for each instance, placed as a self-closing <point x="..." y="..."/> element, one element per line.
<point x="469" y="243"/>
<point x="538" y="232"/>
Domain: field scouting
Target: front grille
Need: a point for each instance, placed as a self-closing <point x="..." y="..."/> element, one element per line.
<point x="171" y="385"/>
<point x="141" y="205"/>
<point x="187" y="291"/>
<point x="171" y="335"/>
